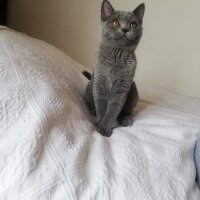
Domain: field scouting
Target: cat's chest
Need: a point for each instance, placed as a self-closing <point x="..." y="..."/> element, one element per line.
<point x="114" y="66"/>
<point x="112" y="75"/>
<point x="115" y="75"/>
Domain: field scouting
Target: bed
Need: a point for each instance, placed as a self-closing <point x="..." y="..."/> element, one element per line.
<point x="49" y="148"/>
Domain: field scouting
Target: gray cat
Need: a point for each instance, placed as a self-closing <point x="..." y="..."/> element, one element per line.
<point x="111" y="93"/>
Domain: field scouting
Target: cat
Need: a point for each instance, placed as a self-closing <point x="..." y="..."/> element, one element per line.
<point x="111" y="93"/>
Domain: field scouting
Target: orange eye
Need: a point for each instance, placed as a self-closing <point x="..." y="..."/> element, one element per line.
<point x="133" y="25"/>
<point x="115" y="23"/>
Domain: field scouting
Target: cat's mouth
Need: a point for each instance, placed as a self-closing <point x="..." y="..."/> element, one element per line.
<point x="124" y="36"/>
<point x="129" y="37"/>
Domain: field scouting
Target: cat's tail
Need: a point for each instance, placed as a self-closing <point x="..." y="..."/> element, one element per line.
<point x="87" y="75"/>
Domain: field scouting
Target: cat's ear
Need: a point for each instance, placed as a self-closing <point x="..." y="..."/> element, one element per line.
<point x="106" y="10"/>
<point x="139" y="12"/>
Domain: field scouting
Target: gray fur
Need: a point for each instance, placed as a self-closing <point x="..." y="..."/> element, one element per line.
<point x="111" y="93"/>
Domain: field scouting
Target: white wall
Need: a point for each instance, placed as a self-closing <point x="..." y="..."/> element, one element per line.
<point x="168" y="55"/>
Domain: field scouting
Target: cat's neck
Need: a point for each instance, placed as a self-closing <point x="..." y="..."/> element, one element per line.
<point x="103" y="45"/>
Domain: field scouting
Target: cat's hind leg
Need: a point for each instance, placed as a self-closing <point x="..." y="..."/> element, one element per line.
<point x="125" y="117"/>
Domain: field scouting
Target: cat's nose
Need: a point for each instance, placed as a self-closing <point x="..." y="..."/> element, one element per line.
<point x="125" y="30"/>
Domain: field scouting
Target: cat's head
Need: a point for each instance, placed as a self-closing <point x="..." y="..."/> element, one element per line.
<point x="120" y="28"/>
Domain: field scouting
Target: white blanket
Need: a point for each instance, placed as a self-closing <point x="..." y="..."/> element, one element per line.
<point x="50" y="150"/>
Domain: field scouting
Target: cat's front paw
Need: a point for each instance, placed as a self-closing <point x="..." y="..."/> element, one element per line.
<point x="104" y="131"/>
<point x="125" y="120"/>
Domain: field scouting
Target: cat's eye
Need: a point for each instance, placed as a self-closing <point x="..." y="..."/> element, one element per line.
<point x="133" y="25"/>
<point x="115" y="23"/>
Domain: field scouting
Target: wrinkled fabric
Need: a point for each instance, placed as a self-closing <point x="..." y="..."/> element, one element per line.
<point x="49" y="148"/>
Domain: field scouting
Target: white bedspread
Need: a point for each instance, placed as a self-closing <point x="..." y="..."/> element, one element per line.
<point x="49" y="149"/>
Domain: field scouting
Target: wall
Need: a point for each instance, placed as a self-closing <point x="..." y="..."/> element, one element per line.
<point x="168" y="55"/>
<point x="3" y="12"/>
